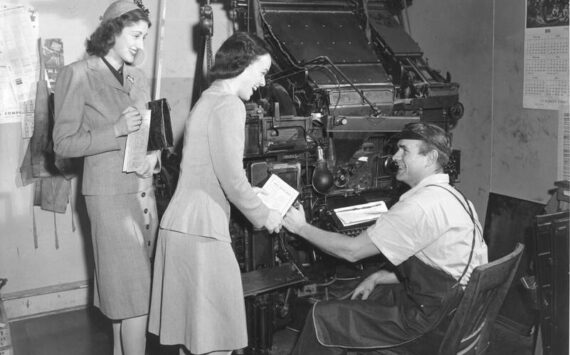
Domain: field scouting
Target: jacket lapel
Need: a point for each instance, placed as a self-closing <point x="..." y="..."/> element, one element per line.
<point x="129" y="78"/>
<point x="100" y="70"/>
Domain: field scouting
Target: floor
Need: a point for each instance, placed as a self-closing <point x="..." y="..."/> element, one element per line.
<point x="87" y="332"/>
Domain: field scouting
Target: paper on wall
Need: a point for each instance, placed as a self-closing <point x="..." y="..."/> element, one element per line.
<point x="19" y="58"/>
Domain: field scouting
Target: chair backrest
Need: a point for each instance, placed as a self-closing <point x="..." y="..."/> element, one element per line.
<point x="468" y="332"/>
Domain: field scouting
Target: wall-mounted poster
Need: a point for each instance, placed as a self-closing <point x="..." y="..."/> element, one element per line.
<point x="546" y="54"/>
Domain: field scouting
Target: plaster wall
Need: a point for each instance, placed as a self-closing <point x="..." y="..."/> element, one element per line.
<point x="506" y="149"/>
<point x="524" y="161"/>
<point x="457" y="37"/>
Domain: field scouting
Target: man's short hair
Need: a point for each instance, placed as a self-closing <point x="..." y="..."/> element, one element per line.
<point x="433" y="136"/>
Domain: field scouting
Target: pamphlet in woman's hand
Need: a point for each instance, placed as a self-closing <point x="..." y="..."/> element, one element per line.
<point x="136" y="148"/>
<point x="277" y="194"/>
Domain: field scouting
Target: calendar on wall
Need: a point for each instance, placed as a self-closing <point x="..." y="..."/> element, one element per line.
<point x="546" y="55"/>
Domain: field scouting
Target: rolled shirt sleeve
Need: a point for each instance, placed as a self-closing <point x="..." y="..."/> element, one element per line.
<point x="431" y="224"/>
<point x="398" y="233"/>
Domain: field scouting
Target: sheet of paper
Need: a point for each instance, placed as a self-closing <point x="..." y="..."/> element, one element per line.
<point x="19" y="33"/>
<point x="357" y="214"/>
<point x="277" y="194"/>
<point x="11" y="111"/>
<point x="135" y="150"/>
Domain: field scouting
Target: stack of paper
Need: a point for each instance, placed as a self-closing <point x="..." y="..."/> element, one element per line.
<point x="357" y="214"/>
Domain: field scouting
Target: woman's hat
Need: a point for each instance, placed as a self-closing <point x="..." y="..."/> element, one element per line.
<point x="118" y="8"/>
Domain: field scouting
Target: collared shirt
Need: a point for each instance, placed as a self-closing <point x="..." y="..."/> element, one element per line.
<point x="117" y="73"/>
<point x="431" y="224"/>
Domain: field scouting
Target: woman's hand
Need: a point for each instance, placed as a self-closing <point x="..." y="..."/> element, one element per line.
<point x="273" y="222"/>
<point x="148" y="167"/>
<point x="129" y="121"/>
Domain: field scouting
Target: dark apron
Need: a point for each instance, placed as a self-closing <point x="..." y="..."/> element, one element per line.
<point x="393" y="314"/>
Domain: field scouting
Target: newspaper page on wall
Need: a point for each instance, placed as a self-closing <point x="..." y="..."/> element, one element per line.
<point x="546" y="55"/>
<point x="19" y="65"/>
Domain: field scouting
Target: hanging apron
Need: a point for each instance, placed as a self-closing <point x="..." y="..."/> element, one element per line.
<point x="394" y="314"/>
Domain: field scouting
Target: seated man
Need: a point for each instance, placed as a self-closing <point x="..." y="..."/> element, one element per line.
<point x="432" y="236"/>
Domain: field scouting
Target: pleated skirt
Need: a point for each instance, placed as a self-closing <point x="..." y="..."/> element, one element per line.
<point x="197" y="296"/>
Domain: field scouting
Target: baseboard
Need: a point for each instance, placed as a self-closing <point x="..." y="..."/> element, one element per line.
<point x="46" y="300"/>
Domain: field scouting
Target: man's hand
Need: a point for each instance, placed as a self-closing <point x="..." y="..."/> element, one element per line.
<point x="294" y="220"/>
<point x="130" y="121"/>
<point x="365" y="288"/>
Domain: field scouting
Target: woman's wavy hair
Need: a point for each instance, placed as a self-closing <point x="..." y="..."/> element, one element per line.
<point x="103" y="39"/>
<point x="236" y="53"/>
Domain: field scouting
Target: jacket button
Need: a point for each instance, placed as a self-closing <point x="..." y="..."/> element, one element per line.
<point x="143" y="194"/>
<point x="147" y="226"/>
<point x="145" y="210"/>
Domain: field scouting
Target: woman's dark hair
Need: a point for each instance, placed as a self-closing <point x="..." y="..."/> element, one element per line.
<point x="236" y="53"/>
<point x="103" y="39"/>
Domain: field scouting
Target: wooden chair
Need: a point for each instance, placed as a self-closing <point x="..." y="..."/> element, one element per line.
<point x="467" y="333"/>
